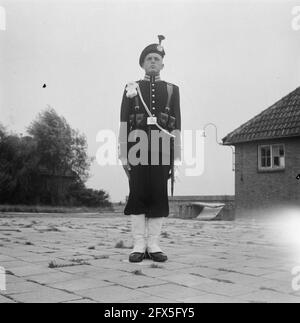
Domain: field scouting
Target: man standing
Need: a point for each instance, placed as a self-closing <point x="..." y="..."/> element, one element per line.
<point x="150" y="110"/>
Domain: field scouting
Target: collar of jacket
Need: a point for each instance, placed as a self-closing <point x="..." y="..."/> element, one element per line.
<point x="149" y="78"/>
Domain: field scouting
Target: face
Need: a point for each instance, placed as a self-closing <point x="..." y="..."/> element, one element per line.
<point x="153" y="64"/>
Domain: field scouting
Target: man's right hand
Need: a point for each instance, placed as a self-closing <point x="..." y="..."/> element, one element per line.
<point x="127" y="169"/>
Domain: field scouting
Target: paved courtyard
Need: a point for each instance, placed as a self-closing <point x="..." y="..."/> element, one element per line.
<point x="84" y="258"/>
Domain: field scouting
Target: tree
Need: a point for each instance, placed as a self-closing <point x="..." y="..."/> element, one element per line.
<point x="18" y="162"/>
<point x="61" y="148"/>
<point x="50" y="166"/>
<point x="2" y="132"/>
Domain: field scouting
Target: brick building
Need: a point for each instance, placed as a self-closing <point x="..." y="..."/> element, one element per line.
<point x="268" y="157"/>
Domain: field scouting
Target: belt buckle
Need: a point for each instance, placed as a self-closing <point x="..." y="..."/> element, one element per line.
<point x="151" y="120"/>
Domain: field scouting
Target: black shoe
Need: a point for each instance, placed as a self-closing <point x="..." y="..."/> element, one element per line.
<point x="136" y="257"/>
<point x="157" y="256"/>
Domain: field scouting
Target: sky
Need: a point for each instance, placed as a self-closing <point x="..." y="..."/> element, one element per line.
<point x="230" y="59"/>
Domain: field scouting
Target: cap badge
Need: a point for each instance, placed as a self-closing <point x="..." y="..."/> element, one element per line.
<point x="159" y="48"/>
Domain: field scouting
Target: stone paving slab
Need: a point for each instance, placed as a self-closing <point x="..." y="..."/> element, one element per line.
<point x="111" y="294"/>
<point x="29" y="270"/>
<point x="135" y="281"/>
<point x="81" y="283"/>
<point x="21" y="287"/>
<point x="81" y="301"/>
<point x="186" y="280"/>
<point x="173" y="292"/>
<point x="4" y="300"/>
<point x="212" y="298"/>
<point x="44" y="295"/>
<point x="269" y="297"/>
<point x="223" y="262"/>
<point x="225" y="288"/>
<point x="48" y="279"/>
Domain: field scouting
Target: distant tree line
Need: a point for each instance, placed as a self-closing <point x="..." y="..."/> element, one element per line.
<point x="48" y="166"/>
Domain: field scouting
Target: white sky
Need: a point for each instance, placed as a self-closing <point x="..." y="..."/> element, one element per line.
<point x="231" y="59"/>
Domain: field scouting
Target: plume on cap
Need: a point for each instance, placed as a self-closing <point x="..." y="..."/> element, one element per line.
<point x="161" y="38"/>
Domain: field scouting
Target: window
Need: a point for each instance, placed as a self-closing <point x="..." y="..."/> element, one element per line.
<point x="271" y="157"/>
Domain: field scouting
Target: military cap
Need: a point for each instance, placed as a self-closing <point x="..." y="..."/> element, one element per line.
<point x="153" y="48"/>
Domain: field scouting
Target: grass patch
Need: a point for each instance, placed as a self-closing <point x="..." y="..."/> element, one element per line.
<point x="198" y="275"/>
<point x="5" y="240"/>
<point x="165" y="234"/>
<point x="138" y="272"/>
<point x="268" y="289"/>
<point x="10" y="230"/>
<point x="80" y="262"/>
<point x="101" y="257"/>
<point x="53" y="264"/>
<point x="156" y="266"/>
<point x="121" y="245"/>
<point x="228" y="270"/>
<point x="30" y="225"/>
<point x="53" y="209"/>
<point x="225" y="281"/>
<point x="8" y="272"/>
<point x="50" y="229"/>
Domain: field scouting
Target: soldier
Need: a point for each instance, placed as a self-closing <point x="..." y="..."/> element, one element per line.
<point x="149" y="106"/>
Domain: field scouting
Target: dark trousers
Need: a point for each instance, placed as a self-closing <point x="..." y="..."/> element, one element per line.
<point x="148" y="189"/>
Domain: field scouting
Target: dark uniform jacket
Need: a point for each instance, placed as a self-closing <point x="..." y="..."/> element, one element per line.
<point x="161" y="103"/>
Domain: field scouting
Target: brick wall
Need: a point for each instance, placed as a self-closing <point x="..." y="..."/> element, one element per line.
<point x="255" y="189"/>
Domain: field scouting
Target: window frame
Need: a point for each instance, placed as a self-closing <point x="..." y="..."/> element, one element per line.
<point x="271" y="168"/>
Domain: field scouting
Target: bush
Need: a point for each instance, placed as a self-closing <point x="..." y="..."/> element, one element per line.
<point x="82" y="196"/>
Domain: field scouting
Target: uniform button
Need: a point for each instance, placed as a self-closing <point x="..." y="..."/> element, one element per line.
<point x="153" y="101"/>
<point x="153" y="108"/>
<point x="153" y="90"/>
<point x="153" y="95"/>
<point x="153" y="115"/>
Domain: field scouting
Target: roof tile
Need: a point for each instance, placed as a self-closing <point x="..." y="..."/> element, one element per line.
<point x="280" y="120"/>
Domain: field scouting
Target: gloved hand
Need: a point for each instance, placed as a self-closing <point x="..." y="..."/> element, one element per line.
<point x="176" y="172"/>
<point x="127" y="168"/>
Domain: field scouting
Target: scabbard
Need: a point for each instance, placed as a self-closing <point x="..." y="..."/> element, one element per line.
<point x="172" y="167"/>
